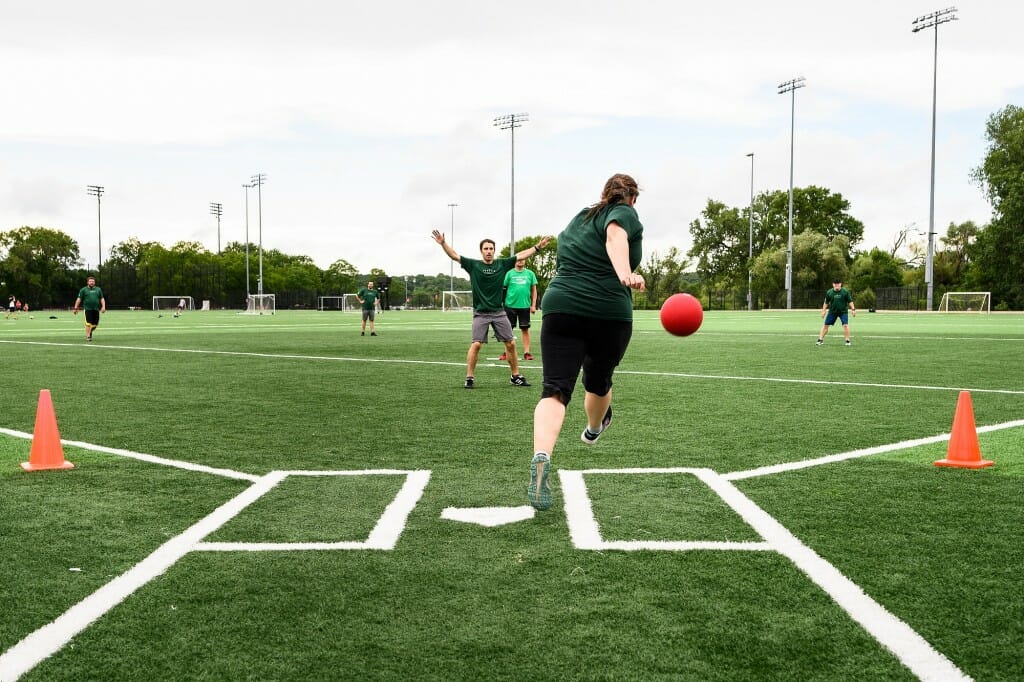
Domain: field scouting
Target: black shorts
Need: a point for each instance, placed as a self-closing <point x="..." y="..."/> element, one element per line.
<point x="520" y="315"/>
<point x="92" y="317"/>
<point x="570" y="342"/>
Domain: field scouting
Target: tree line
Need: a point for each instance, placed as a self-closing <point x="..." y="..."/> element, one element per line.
<point x="733" y="248"/>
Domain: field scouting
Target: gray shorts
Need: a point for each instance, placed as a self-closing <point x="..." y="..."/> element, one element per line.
<point x="496" y="319"/>
<point x="368" y="315"/>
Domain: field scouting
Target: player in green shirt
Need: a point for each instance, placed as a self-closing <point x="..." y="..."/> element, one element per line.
<point x="520" y="301"/>
<point x="368" y="297"/>
<point x="90" y="297"/>
<point x="837" y="300"/>
<point x="588" y="321"/>
<point x="486" y="277"/>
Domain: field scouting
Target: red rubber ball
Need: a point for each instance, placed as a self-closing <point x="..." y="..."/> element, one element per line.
<point x="681" y="314"/>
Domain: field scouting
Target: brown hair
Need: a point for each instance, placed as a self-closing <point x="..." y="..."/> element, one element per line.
<point x="619" y="188"/>
<point x="487" y="241"/>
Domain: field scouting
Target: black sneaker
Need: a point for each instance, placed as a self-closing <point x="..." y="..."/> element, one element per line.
<point x="373" y="333"/>
<point x="362" y="333"/>
<point x="589" y="437"/>
<point x="469" y="382"/>
<point x="818" y="342"/>
<point x="848" y="343"/>
<point x="518" y="380"/>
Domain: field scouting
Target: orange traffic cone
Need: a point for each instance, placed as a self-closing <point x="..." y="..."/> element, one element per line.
<point x="47" y="452"/>
<point x="964" y="450"/>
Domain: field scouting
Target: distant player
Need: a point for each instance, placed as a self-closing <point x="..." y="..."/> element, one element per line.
<point x="12" y="308"/>
<point x="368" y="298"/>
<point x="181" y="307"/>
<point x="520" y="301"/>
<point x="837" y="301"/>
<point x="90" y="297"/>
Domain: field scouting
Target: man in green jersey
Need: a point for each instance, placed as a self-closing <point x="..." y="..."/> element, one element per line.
<point x="588" y="321"/>
<point x="486" y="277"/>
<point x="520" y="301"/>
<point x="368" y="297"/>
<point x="837" y="300"/>
<point x="90" y="297"/>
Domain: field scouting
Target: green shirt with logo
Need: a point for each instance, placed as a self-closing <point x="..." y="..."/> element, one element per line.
<point x="838" y="301"/>
<point x="487" y="281"/>
<point x="91" y="297"/>
<point x="369" y="297"/>
<point x="519" y="288"/>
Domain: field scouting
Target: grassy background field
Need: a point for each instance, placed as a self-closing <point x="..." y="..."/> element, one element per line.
<point x="942" y="550"/>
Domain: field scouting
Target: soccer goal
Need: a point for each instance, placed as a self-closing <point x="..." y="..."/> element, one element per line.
<point x="260" y="304"/>
<point x="171" y="302"/>
<point x="344" y="303"/>
<point x="456" y="300"/>
<point x="966" y="302"/>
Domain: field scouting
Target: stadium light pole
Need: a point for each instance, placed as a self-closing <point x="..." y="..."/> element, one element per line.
<point x="451" y="276"/>
<point x="919" y="24"/>
<point x="510" y="122"/>
<point x="750" y="239"/>
<point x="217" y="210"/>
<point x="248" y="291"/>
<point x="790" y="86"/>
<point x="257" y="182"/>
<point x="97" y="191"/>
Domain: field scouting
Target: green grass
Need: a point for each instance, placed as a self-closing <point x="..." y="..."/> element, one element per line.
<point x="940" y="549"/>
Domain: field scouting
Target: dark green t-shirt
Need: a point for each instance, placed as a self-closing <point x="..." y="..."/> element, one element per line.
<point x="838" y="301"/>
<point x="369" y="297"/>
<point x="487" y="281"/>
<point x="585" y="283"/>
<point x="90" y="297"/>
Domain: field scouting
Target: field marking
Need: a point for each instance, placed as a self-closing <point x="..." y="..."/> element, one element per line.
<point x="912" y="650"/>
<point x="854" y="454"/>
<point x="52" y="637"/>
<point x="399" y="361"/>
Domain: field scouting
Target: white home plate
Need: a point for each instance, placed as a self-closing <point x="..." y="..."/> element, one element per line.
<point x="488" y="516"/>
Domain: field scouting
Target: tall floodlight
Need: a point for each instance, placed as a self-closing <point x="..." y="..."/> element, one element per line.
<point x="217" y="210"/>
<point x="919" y="24"/>
<point x="510" y="122"/>
<point x="97" y="191"/>
<point x="451" y="276"/>
<point x="791" y="87"/>
<point x="750" y="240"/>
<point x="257" y="182"/>
<point x="248" y="291"/>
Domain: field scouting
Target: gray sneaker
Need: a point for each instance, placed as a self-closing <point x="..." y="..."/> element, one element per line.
<point x="539" y="491"/>
<point x="518" y="380"/>
<point x="589" y="437"/>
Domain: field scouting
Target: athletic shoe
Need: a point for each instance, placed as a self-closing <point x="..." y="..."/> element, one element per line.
<point x="848" y="343"/>
<point x="503" y="357"/>
<point x="527" y="356"/>
<point x="362" y="333"/>
<point x="818" y="342"/>
<point x="518" y="380"/>
<point x="589" y="437"/>
<point x="373" y="333"/>
<point x="469" y="382"/>
<point x="539" y="491"/>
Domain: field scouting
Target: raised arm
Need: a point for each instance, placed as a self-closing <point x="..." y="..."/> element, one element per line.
<point x="439" y="238"/>
<point x="533" y="250"/>
<point x="617" y="245"/>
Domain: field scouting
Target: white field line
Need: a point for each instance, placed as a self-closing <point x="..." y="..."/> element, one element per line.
<point x="152" y="459"/>
<point x="398" y="361"/>
<point x="854" y="454"/>
<point x="50" y="638"/>
<point x="912" y="650"/>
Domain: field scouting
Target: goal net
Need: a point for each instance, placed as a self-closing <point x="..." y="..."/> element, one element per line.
<point x="456" y="300"/>
<point x="344" y="303"/>
<point x="260" y="304"/>
<point x="171" y="302"/>
<point x="966" y="302"/>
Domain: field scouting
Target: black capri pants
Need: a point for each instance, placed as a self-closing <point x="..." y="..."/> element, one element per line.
<point x="571" y="342"/>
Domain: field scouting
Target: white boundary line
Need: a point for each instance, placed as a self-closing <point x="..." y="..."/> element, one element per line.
<point x="912" y="650"/>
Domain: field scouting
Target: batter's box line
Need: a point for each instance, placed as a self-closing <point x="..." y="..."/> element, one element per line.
<point x="912" y="650"/>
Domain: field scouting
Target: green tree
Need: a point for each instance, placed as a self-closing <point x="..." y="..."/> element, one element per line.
<point x="817" y="260"/>
<point x="874" y="269"/>
<point x="997" y="255"/>
<point x="37" y="265"/>
<point x="339" y="278"/>
<point x="663" y="277"/>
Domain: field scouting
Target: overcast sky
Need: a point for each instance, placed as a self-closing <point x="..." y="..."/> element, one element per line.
<point x="370" y="118"/>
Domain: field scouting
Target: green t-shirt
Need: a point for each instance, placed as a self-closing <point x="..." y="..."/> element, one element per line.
<point x="519" y="288"/>
<point x="90" y="297"/>
<point x="487" y="281"/>
<point x="838" y="301"/>
<point x="369" y="297"/>
<point x="585" y="283"/>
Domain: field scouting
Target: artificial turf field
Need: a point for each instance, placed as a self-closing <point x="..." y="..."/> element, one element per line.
<point x="278" y="498"/>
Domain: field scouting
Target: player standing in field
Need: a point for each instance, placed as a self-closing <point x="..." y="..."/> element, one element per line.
<point x="588" y="321"/>
<point x="486" y="277"/>
<point x="837" y="300"/>
<point x="90" y="297"/>
<point x="520" y="302"/>
<point x="368" y="298"/>
<point x="12" y="308"/>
